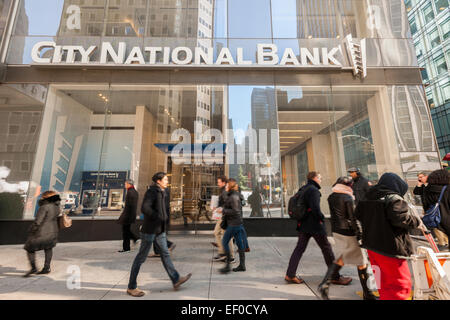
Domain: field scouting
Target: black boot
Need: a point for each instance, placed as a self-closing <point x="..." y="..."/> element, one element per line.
<point x="241" y="266"/>
<point x="363" y="277"/>
<point x="325" y="284"/>
<point x="48" y="260"/>
<point x="227" y="267"/>
<point x="32" y="260"/>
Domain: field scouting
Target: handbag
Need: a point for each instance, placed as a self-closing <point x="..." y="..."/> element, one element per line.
<point x="432" y="217"/>
<point x="64" y="221"/>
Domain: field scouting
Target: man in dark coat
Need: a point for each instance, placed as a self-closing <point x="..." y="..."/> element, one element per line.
<point x="313" y="225"/>
<point x="386" y="222"/>
<point x="43" y="233"/>
<point x="154" y="227"/>
<point x="170" y="244"/>
<point x="360" y="184"/>
<point x="128" y="216"/>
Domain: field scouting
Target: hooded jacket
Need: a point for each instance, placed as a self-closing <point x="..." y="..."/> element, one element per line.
<point x="155" y="210"/>
<point x="43" y="233"/>
<point x="385" y="218"/>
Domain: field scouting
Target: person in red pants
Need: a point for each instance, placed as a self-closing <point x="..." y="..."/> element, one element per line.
<point x="386" y="222"/>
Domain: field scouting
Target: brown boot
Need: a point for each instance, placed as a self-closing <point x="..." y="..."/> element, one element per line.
<point x="182" y="280"/>
<point x="135" y="292"/>
<point x="295" y="280"/>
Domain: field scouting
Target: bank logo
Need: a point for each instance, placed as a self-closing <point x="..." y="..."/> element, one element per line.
<point x="357" y="55"/>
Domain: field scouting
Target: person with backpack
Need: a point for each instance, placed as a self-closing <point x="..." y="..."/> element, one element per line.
<point x="312" y="224"/>
<point x="233" y="223"/>
<point x="437" y="181"/>
<point x="346" y="233"/>
<point x="386" y="222"/>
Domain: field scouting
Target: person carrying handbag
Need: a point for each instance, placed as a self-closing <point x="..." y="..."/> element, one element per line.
<point x="43" y="233"/>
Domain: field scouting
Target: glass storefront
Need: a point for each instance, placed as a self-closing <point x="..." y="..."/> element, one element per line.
<point x="265" y="128"/>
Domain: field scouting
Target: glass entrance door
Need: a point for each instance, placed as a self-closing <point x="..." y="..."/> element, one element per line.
<point x="191" y="189"/>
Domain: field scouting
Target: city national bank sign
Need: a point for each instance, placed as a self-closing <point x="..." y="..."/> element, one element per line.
<point x="266" y="55"/>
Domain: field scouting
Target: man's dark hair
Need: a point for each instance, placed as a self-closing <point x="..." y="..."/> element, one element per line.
<point x="158" y="176"/>
<point x="439" y="177"/>
<point x="311" y="175"/>
<point x="223" y="178"/>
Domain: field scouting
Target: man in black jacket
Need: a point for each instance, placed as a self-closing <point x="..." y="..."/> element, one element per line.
<point x="360" y="184"/>
<point x="154" y="227"/>
<point x="128" y="216"/>
<point x="170" y="244"/>
<point x="313" y="225"/>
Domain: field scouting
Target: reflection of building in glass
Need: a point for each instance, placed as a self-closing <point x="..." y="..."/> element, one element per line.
<point x="430" y="27"/>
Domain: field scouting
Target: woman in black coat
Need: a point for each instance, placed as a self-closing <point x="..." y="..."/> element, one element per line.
<point x="43" y="233"/>
<point x="436" y="182"/>
<point x="346" y="233"/>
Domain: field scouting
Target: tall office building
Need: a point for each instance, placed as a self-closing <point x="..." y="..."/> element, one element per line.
<point x="430" y="29"/>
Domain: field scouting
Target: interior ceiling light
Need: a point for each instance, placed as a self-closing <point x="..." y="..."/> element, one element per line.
<point x="296" y="130"/>
<point x="287" y="142"/>
<point x="293" y="137"/>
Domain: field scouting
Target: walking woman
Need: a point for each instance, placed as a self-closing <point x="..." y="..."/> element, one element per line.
<point x="346" y="233"/>
<point x="43" y="233"/>
<point x="232" y="216"/>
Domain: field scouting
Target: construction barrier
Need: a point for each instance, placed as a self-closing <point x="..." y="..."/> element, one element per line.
<point x="431" y="272"/>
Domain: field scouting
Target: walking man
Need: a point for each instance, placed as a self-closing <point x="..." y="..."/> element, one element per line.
<point x="360" y="184"/>
<point x="154" y="227"/>
<point x="313" y="225"/>
<point x="218" y="231"/>
<point x="128" y="216"/>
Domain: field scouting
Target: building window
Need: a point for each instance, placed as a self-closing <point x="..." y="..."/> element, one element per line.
<point x="441" y="65"/>
<point x="428" y="13"/>
<point x="32" y="129"/>
<point x="25" y="166"/>
<point x="13" y="129"/>
<point x="445" y="28"/>
<point x="10" y="148"/>
<point x="25" y="147"/>
<point x="434" y="38"/>
<point x="441" y="5"/>
<point x="7" y="164"/>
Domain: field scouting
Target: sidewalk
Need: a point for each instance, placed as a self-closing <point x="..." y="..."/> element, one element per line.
<point x="105" y="272"/>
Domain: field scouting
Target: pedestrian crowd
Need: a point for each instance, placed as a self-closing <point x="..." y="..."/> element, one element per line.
<point x="369" y="223"/>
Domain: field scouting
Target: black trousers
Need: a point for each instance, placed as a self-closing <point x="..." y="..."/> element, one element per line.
<point x="127" y="235"/>
<point x="302" y="243"/>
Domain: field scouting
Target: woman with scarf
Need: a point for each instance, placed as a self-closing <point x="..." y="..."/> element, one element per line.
<point x="43" y="233"/>
<point x="346" y="233"/>
<point x="386" y="222"/>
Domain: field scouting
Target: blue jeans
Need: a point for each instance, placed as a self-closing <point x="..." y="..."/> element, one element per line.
<point x="239" y="234"/>
<point x="146" y="245"/>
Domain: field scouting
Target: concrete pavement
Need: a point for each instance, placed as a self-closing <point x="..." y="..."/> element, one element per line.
<point x="104" y="272"/>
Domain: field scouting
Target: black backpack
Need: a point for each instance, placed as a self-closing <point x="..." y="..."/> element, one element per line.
<point x="296" y="205"/>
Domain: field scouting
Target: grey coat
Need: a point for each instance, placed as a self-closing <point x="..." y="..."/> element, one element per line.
<point x="43" y="233"/>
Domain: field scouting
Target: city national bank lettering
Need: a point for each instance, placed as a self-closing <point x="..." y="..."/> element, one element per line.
<point x="266" y="55"/>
